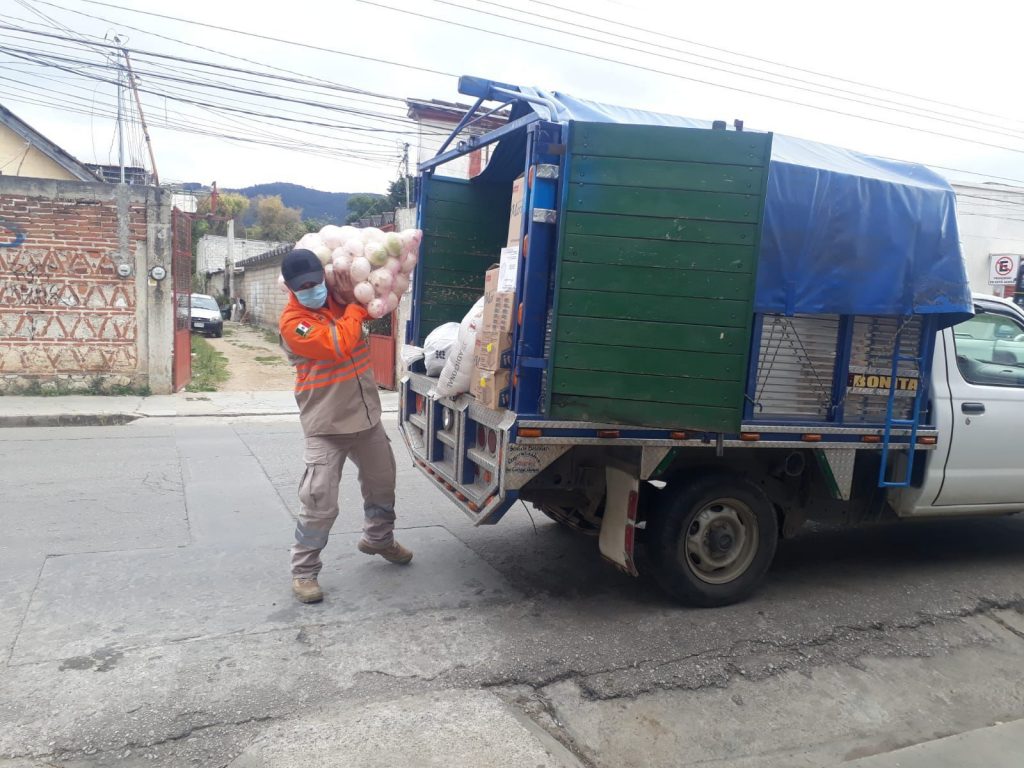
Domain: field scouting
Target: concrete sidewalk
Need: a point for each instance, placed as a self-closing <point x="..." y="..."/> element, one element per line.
<point x="1000" y="746"/>
<point x="100" y="410"/>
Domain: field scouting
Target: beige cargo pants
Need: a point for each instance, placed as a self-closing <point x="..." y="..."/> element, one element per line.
<point x="325" y="457"/>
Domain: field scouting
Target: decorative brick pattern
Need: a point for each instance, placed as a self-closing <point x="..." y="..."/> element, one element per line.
<point x="64" y="311"/>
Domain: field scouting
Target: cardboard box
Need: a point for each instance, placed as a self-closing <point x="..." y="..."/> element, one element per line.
<point x="499" y="307"/>
<point x="491" y="388"/>
<point x="508" y="269"/>
<point x="493" y="350"/>
<point x="515" y="217"/>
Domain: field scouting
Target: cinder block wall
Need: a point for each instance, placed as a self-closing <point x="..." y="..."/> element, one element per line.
<point x="68" y="320"/>
<point x="264" y="301"/>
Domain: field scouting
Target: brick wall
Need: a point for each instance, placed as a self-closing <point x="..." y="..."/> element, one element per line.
<point x="68" y="320"/>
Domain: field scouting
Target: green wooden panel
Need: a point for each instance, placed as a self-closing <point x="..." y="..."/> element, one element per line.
<point x="445" y="294"/>
<point x="707" y="177"/>
<point x="468" y="193"/>
<point x="472" y="230"/>
<point x="641" y="359"/>
<point x="709" y="257"/>
<point x="645" y="227"/>
<point x="657" y="337"/>
<point x="656" y="282"/>
<point x="455" y="278"/>
<point x="465" y="226"/>
<point x="655" y="142"/>
<point x="655" y="389"/>
<point x="447" y="253"/>
<point x="631" y="412"/>
<point x="434" y="315"/>
<point x="440" y="209"/>
<point x="733" y="314"/>
<point x="664" y="203"/>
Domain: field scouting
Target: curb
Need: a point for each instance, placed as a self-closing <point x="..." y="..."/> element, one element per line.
<point x="70" y="420"/>
<point x="118" y="419"/>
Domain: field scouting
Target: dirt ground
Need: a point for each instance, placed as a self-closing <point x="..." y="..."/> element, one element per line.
<point x="255" y="363"/>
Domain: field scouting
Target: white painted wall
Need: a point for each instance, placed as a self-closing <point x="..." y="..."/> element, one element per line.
<point x="991" y="220"/>
<point x="212" y="250"/>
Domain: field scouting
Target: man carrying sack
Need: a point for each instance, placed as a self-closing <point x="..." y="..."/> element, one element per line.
<point x="339" y="408"/>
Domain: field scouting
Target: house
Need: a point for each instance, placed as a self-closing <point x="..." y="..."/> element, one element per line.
<point x="25" y="152"/>
<point x="436" y="119"/>
<point x="87" y="276"/>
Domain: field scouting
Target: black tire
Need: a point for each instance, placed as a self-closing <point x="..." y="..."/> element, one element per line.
<point x="697" y="518"/>
<point x="570" y="519"/>
<point x="218" y="333"/>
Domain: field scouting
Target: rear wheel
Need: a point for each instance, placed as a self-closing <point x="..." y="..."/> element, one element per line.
<point x="572" y="517"/>
<point x="712" y="540"/>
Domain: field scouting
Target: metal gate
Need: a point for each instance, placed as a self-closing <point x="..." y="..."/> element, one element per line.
<point x="181" y="273"/>
<point x="382" y="350"/>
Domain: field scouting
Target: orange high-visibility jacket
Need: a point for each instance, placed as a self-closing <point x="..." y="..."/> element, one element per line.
<point x="334" y="385"/>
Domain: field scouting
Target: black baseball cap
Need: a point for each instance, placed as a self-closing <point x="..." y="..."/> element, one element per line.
<point x="301" y="267"/>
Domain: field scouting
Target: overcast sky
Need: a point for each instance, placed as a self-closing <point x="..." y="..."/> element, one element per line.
<point x="962" y="57"/>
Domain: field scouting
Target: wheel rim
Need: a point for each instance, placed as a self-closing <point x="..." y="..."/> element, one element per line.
<point x="721" y="542"/>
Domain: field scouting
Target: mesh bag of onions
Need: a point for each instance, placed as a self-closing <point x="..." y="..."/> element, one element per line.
<point x="365" y="264"/>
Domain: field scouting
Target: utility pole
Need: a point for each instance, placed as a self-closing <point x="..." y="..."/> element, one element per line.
<point x="405" y="161"/>
<point x="120" y="116"/>
<point x="229" y="265"/>
<point x="142" y="117"/>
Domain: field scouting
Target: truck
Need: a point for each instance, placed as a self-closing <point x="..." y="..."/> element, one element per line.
<point x="719" y="335"/>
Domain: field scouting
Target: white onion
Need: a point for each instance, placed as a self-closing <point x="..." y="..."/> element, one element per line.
<point x="377" y="309"/>
<point x="363" y="292"/>
<point x="376" y="253"/>
<point x="323" y="253"/>
<point x="381" y="280"/>
<point x="360" y="269"/>
<point x="392" y="302"/>
<point x="331" y="235"/>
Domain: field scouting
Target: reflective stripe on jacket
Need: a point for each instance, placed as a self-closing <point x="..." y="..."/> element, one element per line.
<point x="334" y="384"/>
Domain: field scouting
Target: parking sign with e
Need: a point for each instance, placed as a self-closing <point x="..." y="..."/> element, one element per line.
<point x="1003" y="269"/>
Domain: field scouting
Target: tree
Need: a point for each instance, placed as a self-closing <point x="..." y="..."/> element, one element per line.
<point x="314" y="225"/>
<point x="230" y="205"/>
<point x="396" y="192"/>
<point x="365" y="205"/>
<point x="276" y="221"/>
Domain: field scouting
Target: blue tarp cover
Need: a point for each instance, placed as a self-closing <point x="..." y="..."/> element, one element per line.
<point x="843" y="232"/>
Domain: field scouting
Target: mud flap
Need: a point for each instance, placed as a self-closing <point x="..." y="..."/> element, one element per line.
<point x="618" y="526"/>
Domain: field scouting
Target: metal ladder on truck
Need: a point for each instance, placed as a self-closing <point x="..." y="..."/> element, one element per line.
<point x="891" y="422"/>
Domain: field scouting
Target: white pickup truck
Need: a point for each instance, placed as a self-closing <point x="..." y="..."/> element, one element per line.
<point x="977" y="467"/>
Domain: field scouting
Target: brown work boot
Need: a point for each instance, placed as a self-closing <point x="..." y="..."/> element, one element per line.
<point x="307" y="590"/>
<point x="395" y="553"/>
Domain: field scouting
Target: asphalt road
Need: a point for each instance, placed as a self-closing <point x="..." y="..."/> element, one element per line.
<point x="146" y="619"/>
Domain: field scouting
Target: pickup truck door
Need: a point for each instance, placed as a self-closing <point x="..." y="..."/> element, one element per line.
<point x="985" y="374"/>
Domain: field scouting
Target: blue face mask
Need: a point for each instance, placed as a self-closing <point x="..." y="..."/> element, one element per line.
<point x="314" y="297"/>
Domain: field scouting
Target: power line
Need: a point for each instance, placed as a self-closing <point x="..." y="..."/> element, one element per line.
<point x="323" y="151"/>
<point x="303" y="102"/>
<point x="256" y="35"/>
<point x="361" y="129"/>
<point x="857" y="98"/>
<point x="678" y="76"/>
<point x="302" y="80"/>
<point x="377" y="116"/>
<point x="777" y="63"/>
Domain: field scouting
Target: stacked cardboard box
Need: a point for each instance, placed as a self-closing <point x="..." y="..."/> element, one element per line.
<point x="491" y="375"/>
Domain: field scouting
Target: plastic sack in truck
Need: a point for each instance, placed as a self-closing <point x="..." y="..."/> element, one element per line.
<point x="438" y="346"/>
<point x="457" y="373"/>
